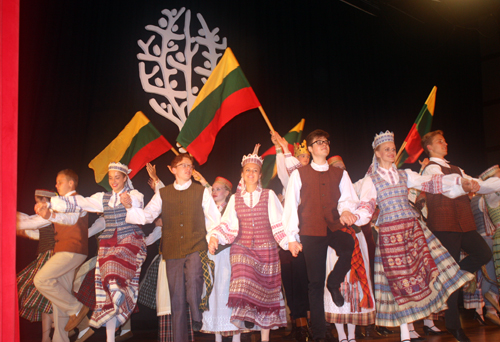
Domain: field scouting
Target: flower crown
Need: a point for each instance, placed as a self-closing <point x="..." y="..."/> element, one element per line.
<point x="382" y="138"/>
<point x="299" y="149"/>
<point x="251" y="158"/>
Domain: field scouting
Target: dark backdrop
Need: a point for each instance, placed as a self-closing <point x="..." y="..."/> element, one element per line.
<point x="341" y="69"/>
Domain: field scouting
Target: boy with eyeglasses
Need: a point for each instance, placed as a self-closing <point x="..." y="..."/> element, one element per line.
<point x="319" y="201"/>
<point x="187" y="210"/>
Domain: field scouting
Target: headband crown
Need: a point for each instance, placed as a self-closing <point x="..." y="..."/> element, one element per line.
<point x="382" y="138"/>
<point x="251" y="158"/>
<point x="299" y="149"/>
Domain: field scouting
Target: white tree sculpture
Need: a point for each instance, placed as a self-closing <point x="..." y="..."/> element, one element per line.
<point x="166" y="71"/>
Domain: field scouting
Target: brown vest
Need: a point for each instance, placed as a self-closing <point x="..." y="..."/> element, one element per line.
<point x="319" y="200"/>
<point x="184" y="227"/>
<point x="446" y="214"/>
<point x="72" y="238"/>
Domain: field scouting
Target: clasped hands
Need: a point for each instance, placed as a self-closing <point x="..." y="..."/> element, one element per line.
<point x="470" y="185"/>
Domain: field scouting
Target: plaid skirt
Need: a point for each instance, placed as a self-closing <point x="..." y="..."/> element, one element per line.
<point x="165" y="331"/>
<point x="496" y="253"/>
<point x="86" y="293"/>
<point x="117" y="275"/>
<point x="449" y="279"/>
<point x="31" y="302"/>
<point x="147" y="288"/>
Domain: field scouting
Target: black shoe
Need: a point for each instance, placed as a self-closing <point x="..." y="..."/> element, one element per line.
<point x="429" y="331"/>
<point x="227" y="338"/>
<point x="459" y="335"/>
<point x="292" y="333"/>
<point x="479" y="319"/>
<point x="337" y="297"/>
<point x="197" y="326"/>
<point x="370" y="333"/>
<point x="383" y="331"/>
<point x="249" y="325"/>
<point x="302" y="334"/>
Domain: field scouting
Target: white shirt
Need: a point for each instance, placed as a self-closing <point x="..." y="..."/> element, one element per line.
<point x="348" y="201"/>
<point x="488" y="186"/>
<point x="94" y="203"/>
<point x="137" y="215"/>
<point x="63" y="217"/>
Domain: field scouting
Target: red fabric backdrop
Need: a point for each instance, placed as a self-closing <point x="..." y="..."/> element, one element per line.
<point x="9" y="56"/>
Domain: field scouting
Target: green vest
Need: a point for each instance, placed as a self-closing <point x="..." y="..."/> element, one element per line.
<point x="184" y="230"/>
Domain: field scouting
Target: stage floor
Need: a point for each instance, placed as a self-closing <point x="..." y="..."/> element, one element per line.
<point x="31" y="332"/>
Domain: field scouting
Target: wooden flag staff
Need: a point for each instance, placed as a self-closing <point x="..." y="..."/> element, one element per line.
<point x="266" y="118"/>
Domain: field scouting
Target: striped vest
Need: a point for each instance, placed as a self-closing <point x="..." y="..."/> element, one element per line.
<point x="255" y="228"/>
<point x="494" y="214"/>
<point x="392" y="199"/>
<point x="115" y="221"/>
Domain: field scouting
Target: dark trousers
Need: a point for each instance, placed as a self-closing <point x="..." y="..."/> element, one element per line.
<point x="314" y="249"/>
<point x="478" y="255"/>
<point x="185" y="282"/>
<point x="294" y="279"/>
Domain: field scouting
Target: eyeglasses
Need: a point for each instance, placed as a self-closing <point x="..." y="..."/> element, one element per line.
<point x="321" y="142"/>
<point x="185" y="166"/>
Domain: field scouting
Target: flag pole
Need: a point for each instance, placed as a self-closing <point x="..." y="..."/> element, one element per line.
<point x="400" y="152"/>
<point x="173" y="150"/>
<point x="266" y="118"/>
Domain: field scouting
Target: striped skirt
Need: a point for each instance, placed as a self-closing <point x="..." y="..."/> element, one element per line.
<point x="31" y="302"/>
<point x="496" y="253"/>
<point x="449" y="279"/>
<point x="117" y="278"/>
<point x="255" y="289"/>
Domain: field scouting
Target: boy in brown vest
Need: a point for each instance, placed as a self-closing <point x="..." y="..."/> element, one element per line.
<point x="55" y="279"/>
<point x="187" y="210"/>
<point x="452" y="222"/>
<point x="320" y="200"/>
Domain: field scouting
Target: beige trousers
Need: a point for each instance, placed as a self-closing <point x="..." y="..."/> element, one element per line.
<point x="55" y="282"/>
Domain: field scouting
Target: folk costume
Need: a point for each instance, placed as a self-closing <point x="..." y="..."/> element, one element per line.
<point x="121" y="253"/>
<point x="252" y="224"/>
<point x="316" y="196"/>
<point x="55" y="279"/>
<point x="414" y="274"/>
<point x="187" y="210"/>
<point x="452" y="222"/>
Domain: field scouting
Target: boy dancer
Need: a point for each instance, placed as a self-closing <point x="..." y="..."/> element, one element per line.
<point x="452" y="222"/>
<point x="55" y="280"/>
<point x="320" y="200"/>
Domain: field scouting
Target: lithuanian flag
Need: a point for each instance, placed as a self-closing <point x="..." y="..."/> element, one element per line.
<point x="138" y="144"/>
<point x="269" y="169"/>
<point x="411" y="148"/>
<point x="226" y="94"/>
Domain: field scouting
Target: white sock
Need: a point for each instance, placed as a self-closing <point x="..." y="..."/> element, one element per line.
<point x="351" y="330"/>
<point x="82" y="332"/>
<point x="218" y="338"/>
<point x="340" y="331"/>
<point x="110" y="330"/>
<point x="237" y="338"/>
<point x="264" y="334"/>
<point x="405" y="332"/>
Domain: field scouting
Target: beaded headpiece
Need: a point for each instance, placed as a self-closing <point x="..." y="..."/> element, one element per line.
<point x="45" y="193"/>
<point x="379" y="139"/>
<point x="251" y="158"/>
<point x="335" y="161"/>
<point x="382" y="138"/>
<point x="224" y="181"/>
<point x="123" y="169"/>
<point x="299" y="149"/>
<point x="489" y="173"/>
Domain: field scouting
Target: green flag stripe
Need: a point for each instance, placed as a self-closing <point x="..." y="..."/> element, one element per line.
<point x="204" y="113"/>
<point x="145" y="135"/>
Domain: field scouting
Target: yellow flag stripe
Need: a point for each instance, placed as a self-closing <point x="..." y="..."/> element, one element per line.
<point x="117" y="148"/>
<point x="431" y="101"/>
<point x="299" y="127"/>
<point x="227" y="64"/>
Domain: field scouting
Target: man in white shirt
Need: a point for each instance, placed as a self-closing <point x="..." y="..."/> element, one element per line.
<point x="452" y="222"/>
<point x="187" y="210"/>
<point x="320" y="200"/>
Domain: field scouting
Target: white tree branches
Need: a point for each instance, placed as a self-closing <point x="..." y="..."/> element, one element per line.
<point x="168" y="59"/>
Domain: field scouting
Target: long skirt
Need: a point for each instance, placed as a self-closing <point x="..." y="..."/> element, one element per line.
<point x="350" y="312"/>
<point x="31" y="302"/>
<point x="255" y="289"/>
<point x="218" y="318"/>
<point x="117" y="274"/>
<point x="449" y="278"/>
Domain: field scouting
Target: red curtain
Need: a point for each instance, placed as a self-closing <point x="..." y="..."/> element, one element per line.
<point x="9" y="57"/>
